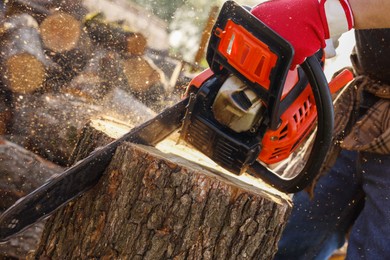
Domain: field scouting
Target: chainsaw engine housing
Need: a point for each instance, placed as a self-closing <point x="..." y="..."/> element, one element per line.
<point x="242" y="108"/>
<point x="249" y="111"/>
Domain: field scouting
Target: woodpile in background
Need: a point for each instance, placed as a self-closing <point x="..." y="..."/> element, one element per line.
<point x="60" y="67"/>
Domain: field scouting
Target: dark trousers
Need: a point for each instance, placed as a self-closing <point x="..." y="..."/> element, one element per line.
<point x="354" y="196"/>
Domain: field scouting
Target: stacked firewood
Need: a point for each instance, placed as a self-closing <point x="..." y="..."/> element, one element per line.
<point x="60" y="67"/>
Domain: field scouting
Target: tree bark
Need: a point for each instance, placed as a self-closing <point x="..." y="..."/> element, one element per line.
<point x="21" y="172"/>
<point x="153" y="205"/>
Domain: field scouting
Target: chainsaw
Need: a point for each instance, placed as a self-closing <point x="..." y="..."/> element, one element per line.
<point x="247" y="112"/>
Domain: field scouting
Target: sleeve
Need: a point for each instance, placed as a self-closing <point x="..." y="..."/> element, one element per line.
<point x="336" y="16"/>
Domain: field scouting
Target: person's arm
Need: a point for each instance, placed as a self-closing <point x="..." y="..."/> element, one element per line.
<point x="371" y="14"/>
<point x="307" y="23"/>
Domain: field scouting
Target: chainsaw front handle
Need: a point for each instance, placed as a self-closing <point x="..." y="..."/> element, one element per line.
<point x="323" y="139"/>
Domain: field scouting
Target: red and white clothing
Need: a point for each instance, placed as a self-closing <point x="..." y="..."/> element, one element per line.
<point x="306" y="24"/>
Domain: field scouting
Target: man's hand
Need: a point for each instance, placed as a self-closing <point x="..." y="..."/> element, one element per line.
<point x="306" y="23"/>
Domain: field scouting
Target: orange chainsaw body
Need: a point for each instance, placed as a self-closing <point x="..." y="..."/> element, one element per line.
<point x="249" y="110"/>
<point x="254" y="60"/>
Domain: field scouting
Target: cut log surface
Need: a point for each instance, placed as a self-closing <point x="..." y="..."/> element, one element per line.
<point x="154" y="205"/>
<point x="23" y="63"/>
<point x="24" y="73"/>
<point x="145" y="81"/>
<point x="67" y="45"/>
<point x="21" y="172"/>
<point x="60" y="32"/>
<point x="141" y="73"/>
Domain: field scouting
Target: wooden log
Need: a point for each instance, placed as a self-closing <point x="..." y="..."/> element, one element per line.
<point x="21" y="172"/>
<point x="172" y="67"/>
<point x="2" y="11"/>
<point x="71" y="63"/>
<point x="141" y="73"/>
<point x="87" y="85"/>
<point x="5" y="111"/>
<point x="102" y="73"/>
<point x="60" y="32"/>
<point x="73" y="7"/>
<point x="23" y="62"/>
<point x="66" y="44"/>
<point x="40" y="9"/>
<point x="34" y="8"/>
<point x="115" y="36"/>
<point x="49" y="124"/>
<point x="153" y="205"/>
<point x="103" y="83"/>
<point x="122" y="105"/>
<point x="97" y="132"/>
<point x="116" y="76"/>
<point x="145" y="80"/>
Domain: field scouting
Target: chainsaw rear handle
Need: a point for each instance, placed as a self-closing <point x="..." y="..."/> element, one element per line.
<point x="323" y="139"/>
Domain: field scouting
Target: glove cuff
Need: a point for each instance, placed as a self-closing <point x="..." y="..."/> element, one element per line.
<point x="337" y="17"/>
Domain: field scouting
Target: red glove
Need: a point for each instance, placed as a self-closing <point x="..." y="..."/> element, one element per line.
<point x="306" y="23"/>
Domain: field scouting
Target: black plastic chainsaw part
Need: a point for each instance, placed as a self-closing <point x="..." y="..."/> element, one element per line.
<point x="73" y="182"/>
